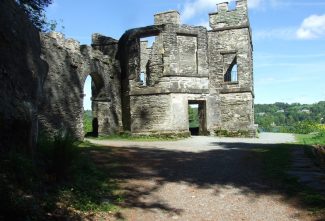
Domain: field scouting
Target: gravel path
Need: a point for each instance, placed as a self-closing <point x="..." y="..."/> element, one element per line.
<point x="201" y="143"/>
<point x="199" y="178"/>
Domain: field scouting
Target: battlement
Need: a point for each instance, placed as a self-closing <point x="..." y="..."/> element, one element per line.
<point x="169" y="17"/>
<point x="224" y="6"/>
<point x="225" y="18"/>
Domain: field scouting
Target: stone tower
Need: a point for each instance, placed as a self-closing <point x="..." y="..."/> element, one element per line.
<point x="231" y="68"/>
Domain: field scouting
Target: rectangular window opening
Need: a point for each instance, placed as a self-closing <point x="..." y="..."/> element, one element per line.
<point x="146" y="45"/>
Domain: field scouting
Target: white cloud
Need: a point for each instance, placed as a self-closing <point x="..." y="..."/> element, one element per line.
<point x="312" y="27"/>
<point x="254" y="3"/>
<point x="197" y="6"/>
<point x="306" y="3"/>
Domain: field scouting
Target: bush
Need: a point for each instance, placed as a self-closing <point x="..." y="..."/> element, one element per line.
<point x="304" y="127"/>
<point x="60" y="179"/>
<point x="57" y="155"/>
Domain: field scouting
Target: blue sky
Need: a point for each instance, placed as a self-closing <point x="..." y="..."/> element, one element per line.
<point x="288" y="37"/>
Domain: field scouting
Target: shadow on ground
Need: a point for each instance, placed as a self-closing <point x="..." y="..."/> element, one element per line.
<point x="237" y="164"/>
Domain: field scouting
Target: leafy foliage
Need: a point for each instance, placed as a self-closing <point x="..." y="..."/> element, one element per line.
<point x="87" y="119"/>
<point x="193" y="117"/>
<point x="35" y="11"/>
<point x="296" y="118"/>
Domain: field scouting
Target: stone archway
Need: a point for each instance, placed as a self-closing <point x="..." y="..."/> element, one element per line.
<point x="96" y="89"/>
<point x="69" y="65"/>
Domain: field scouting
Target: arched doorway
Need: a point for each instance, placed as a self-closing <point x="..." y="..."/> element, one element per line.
<point x="93" y="90"/>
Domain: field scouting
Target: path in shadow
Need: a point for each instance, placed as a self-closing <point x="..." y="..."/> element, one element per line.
<point x="234" y="164"/>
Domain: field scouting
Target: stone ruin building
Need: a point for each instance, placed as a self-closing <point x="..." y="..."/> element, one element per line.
<point x="135" y="88"/>
<point x="189" y="65"/>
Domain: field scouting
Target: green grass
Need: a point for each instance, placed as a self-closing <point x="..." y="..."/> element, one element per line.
<point x="276" y="163"/>
<point x="311" y="139"/>
<point x="60" y="180"/>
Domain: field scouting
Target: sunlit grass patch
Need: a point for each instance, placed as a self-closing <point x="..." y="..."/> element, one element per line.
<point x="311" y="139"/>
<point x="276" y="161"/>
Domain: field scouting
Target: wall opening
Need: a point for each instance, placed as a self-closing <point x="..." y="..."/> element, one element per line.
<point x="231" y="74"/>
<point x="197" y="117"/>
<point x="92" y="93"/>
<point x="232" y="6"/>
<point x="146" y="45"/>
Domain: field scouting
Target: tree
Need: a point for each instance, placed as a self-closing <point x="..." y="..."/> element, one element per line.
<point x="35" y="11"/>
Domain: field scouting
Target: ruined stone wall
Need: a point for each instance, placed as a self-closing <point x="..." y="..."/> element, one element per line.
<point x="177" y="64"/>
<point x="22" y="72"/>
<point x="239" y="111"/>
<point x="69" y="66"/>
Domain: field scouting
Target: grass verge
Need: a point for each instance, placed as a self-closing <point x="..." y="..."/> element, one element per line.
<point x="311" y="139"/>
<point x="276" y="162"/>
<point x="60" y="182"/>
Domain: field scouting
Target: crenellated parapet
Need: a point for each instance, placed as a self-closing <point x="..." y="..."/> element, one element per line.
<point x="225" y="18"/>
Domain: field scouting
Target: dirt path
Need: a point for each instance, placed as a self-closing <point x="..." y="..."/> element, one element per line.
<point x="200" y="178"/>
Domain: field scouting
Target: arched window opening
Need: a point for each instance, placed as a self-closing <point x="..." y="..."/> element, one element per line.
<point x="143" y="80"/>
<point x="92" y="93"/>
<point x="232" y="72"/>
<point x="87" y="113"/>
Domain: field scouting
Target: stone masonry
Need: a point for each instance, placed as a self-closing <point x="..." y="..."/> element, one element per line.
<point x="189" y="65"/>
<point x="22" y="74"/>
<point x="69" y="66"/>
<point x="135" y="87"/>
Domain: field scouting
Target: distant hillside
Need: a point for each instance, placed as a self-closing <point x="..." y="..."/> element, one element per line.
<point x="275" y="117"/>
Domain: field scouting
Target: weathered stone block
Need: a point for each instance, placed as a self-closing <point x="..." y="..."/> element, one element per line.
<point x="169" y="17"/>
